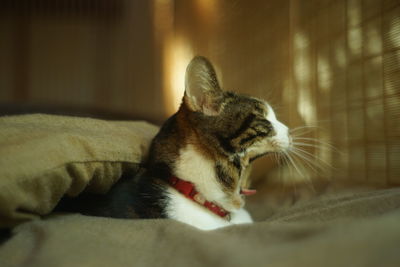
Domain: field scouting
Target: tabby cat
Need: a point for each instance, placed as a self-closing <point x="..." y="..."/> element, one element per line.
<point x="196" y="170"/>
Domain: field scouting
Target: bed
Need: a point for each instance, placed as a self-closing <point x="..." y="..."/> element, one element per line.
<point x="46" y="157"/>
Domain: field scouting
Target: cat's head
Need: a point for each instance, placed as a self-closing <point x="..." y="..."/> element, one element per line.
<point x="236" y="128"/>
<point x="240" y="125"/>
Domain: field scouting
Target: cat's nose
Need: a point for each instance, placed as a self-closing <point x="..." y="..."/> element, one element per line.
<point x="282" y="139"/>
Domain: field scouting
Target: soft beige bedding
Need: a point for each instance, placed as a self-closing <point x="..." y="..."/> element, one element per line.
<point x="45" y="157"/>
<point x="319" y="233"/>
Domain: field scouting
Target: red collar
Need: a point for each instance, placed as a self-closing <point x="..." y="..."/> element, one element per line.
<point x="189" y="191"/>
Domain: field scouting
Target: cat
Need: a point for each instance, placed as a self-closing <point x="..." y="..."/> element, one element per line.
<point x="196" y="169"/>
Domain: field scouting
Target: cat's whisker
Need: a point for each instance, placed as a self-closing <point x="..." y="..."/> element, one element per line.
<point x="294" y="138"/>
<point x="290" y="166"/>
<point x="278" y="163"/>
<point x="300" y="144"/>
<point x="276" y="158"/>
<point x="284" y="164"/>
<point x="306" y="161"/>
<point x="302" y="130"/>
<point x="310" y="162"/>
<point x="316" y="163"/>
<point x="299" y="165"/>
<point x="303" y="127"/>
<point x="304" y="141"/>
<point x="311" y="156"/>
<point x="284" y="159"/>
<point x="308" y="178"/>
<point x="287" y="163"/>
<point x="317" y="146"/>
<point x="309" y="139"/>
<point x="294" y="164"/>
<point x="281" y="159"/>
<point x="303" y="161"/>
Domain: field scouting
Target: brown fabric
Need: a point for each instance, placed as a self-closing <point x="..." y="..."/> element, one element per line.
<point x="340" y="231"/>
<point x="43" y="157"/>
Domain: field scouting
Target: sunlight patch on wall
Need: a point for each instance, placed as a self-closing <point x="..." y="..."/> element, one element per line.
<point x="300" y="41"/>
<point x="340" y="56"/>
<point x="373" y="42"/>
<point x="302" y="66"/>
<point x="175" y="55"/>
<point x="305" y="106"/>
<point x="324" y="152"/>
<point x="176" y="49"/>
<point x="324" y="74"/>
<point x="355" y="41"/>
<point x="178" y="57"/>
<point x="302" y="74"/>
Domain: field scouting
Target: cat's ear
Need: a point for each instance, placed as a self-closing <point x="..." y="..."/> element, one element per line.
<point x="202" y="91"/>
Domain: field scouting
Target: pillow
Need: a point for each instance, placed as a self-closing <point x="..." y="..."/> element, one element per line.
<point x="44" y="157"/>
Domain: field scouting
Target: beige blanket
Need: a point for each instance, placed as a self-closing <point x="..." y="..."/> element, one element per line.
<point x="44" y="157"/>
<point x="340" y="231"/>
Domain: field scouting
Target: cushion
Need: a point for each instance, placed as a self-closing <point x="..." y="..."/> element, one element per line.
<point x="44" y="157"/>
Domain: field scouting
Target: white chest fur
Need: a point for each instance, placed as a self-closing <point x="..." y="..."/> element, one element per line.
<point x="194" y="167"/>
<point x="185" y="210"/>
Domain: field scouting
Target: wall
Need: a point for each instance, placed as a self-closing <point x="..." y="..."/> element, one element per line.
<point x="329" y="64"/>
<point x="80" y="54"/>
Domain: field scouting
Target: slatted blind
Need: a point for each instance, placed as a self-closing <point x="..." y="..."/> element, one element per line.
<point x="330" y="64"/>
<point x="352" y="49"/>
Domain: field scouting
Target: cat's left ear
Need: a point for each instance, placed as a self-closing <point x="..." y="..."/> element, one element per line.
<point x="202" y="91"/>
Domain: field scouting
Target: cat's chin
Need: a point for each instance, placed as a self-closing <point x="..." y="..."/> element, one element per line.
<point x="233" y="203"/>
<point x="280" y="145"/>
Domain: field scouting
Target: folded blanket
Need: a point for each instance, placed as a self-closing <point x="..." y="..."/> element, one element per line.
<point x="44" y="157"/>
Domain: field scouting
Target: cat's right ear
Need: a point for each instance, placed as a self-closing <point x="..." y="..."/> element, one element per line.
<point x="202" y="91"/>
